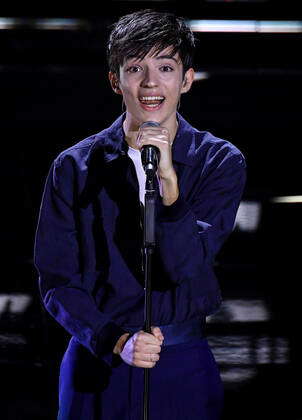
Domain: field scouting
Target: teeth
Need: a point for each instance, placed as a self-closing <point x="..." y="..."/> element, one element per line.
<point x="152" y="98"/>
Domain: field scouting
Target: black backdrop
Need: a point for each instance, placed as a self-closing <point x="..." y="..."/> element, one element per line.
<point x="55" y="92"/>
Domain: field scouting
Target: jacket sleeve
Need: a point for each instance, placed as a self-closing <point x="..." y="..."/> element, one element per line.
<point x="65" y="290"/>
<point x="191" y="231"/>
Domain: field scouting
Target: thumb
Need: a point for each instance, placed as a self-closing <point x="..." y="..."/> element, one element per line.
<point x="157" y="333"/>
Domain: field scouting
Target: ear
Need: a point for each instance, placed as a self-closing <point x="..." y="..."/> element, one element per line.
<point x="114" y="83"/>
<point x="188" y="80"/>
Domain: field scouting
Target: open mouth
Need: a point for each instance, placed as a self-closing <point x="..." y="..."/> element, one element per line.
<point x="151" y="102"/>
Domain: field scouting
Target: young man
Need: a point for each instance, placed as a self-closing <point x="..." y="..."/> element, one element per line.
<point x="89" y="240"/>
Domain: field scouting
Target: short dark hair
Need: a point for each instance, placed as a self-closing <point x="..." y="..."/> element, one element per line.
<point x="135" y="34"/>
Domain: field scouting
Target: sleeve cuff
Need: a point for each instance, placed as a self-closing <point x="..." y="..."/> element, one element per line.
<point x="173" y="212"/>
<point x="107" y="338"/>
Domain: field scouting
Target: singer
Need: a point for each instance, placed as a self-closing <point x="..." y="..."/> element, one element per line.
<point x="89" y="239"/>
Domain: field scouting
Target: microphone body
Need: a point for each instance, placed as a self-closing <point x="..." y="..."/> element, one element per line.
<point x="150" y="153"/>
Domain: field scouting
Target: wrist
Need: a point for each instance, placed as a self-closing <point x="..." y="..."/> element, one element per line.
<point x="168" y="176"/>
<point x="170" y="191"/>
<point x="118" y="348"/>
<point x="168" y="200"/>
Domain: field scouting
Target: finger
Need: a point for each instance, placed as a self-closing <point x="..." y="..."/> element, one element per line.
<point x="152" y="348"/>
<point x="151" y="137"/>
<point x="145" y="357"/>
<point x="160" y="132"/>
<point x="156" y="331"/>
<point x="160" y="143"/>
<point x="145" y="338"/>
<point x="154" y="140"/>
<point x="147" y="348"/>
<point x="147" y="133"/>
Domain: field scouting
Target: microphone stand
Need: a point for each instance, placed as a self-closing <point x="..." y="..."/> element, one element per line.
<point x="149" y="245"/>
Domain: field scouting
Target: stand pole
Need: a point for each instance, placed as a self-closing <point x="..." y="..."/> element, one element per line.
<point x="149" y="244"/>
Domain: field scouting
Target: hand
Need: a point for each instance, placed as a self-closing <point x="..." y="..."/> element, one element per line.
<point x="160" y="137"/>
<point x="142" y="349"/>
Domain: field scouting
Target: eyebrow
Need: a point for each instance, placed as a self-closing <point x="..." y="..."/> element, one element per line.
<point x="157" y="57"/>
<point x="164" y="57"/>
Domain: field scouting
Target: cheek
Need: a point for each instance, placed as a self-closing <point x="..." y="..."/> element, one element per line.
<point x="127" y="90"/>
<point x="175" y="94"/>
<point x="175" y="86"/>
<point x="127" y="95"/>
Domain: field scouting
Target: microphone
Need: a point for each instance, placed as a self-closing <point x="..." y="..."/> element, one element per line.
<point x="150" y="153"/>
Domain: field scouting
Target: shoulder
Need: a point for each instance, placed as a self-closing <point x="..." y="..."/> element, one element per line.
<point x="79" y="154"/>
<point x="99" y="146"/>
<point x="219" y="163"/>
<point x="203" y="149"/>
<point x="215" y="150"/>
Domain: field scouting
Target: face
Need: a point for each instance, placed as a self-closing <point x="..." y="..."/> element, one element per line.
<point x="151" y="88"/>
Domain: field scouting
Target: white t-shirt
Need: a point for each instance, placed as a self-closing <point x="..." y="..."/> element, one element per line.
<point x="135" y="156"/>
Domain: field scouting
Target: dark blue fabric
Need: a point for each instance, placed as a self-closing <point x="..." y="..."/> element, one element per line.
<point x="89" y="235"/>
<point x="184" y="332"/>
<point x="184" y="385"/>
<point x="88" y="255"/>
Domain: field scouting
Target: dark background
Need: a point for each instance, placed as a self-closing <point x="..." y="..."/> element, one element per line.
<point x="54" y="92"/>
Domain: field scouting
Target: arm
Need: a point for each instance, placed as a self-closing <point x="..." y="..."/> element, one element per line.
<point x="190" y="231"/>
<point x="65" y="290"/>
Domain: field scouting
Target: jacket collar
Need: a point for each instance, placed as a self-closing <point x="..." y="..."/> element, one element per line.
<point x="183" y="149"/>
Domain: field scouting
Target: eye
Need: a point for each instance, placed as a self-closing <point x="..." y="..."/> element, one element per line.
<point x="166" y="68"/>
<point x="133" y="69"/>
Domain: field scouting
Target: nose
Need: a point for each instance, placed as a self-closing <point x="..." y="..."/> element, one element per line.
<point x="149" y="80"/>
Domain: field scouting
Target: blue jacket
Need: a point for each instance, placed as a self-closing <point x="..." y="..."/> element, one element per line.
<point x="89" y="235"/>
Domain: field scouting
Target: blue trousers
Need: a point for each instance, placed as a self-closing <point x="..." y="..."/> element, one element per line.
<point x="184" y="385"/>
